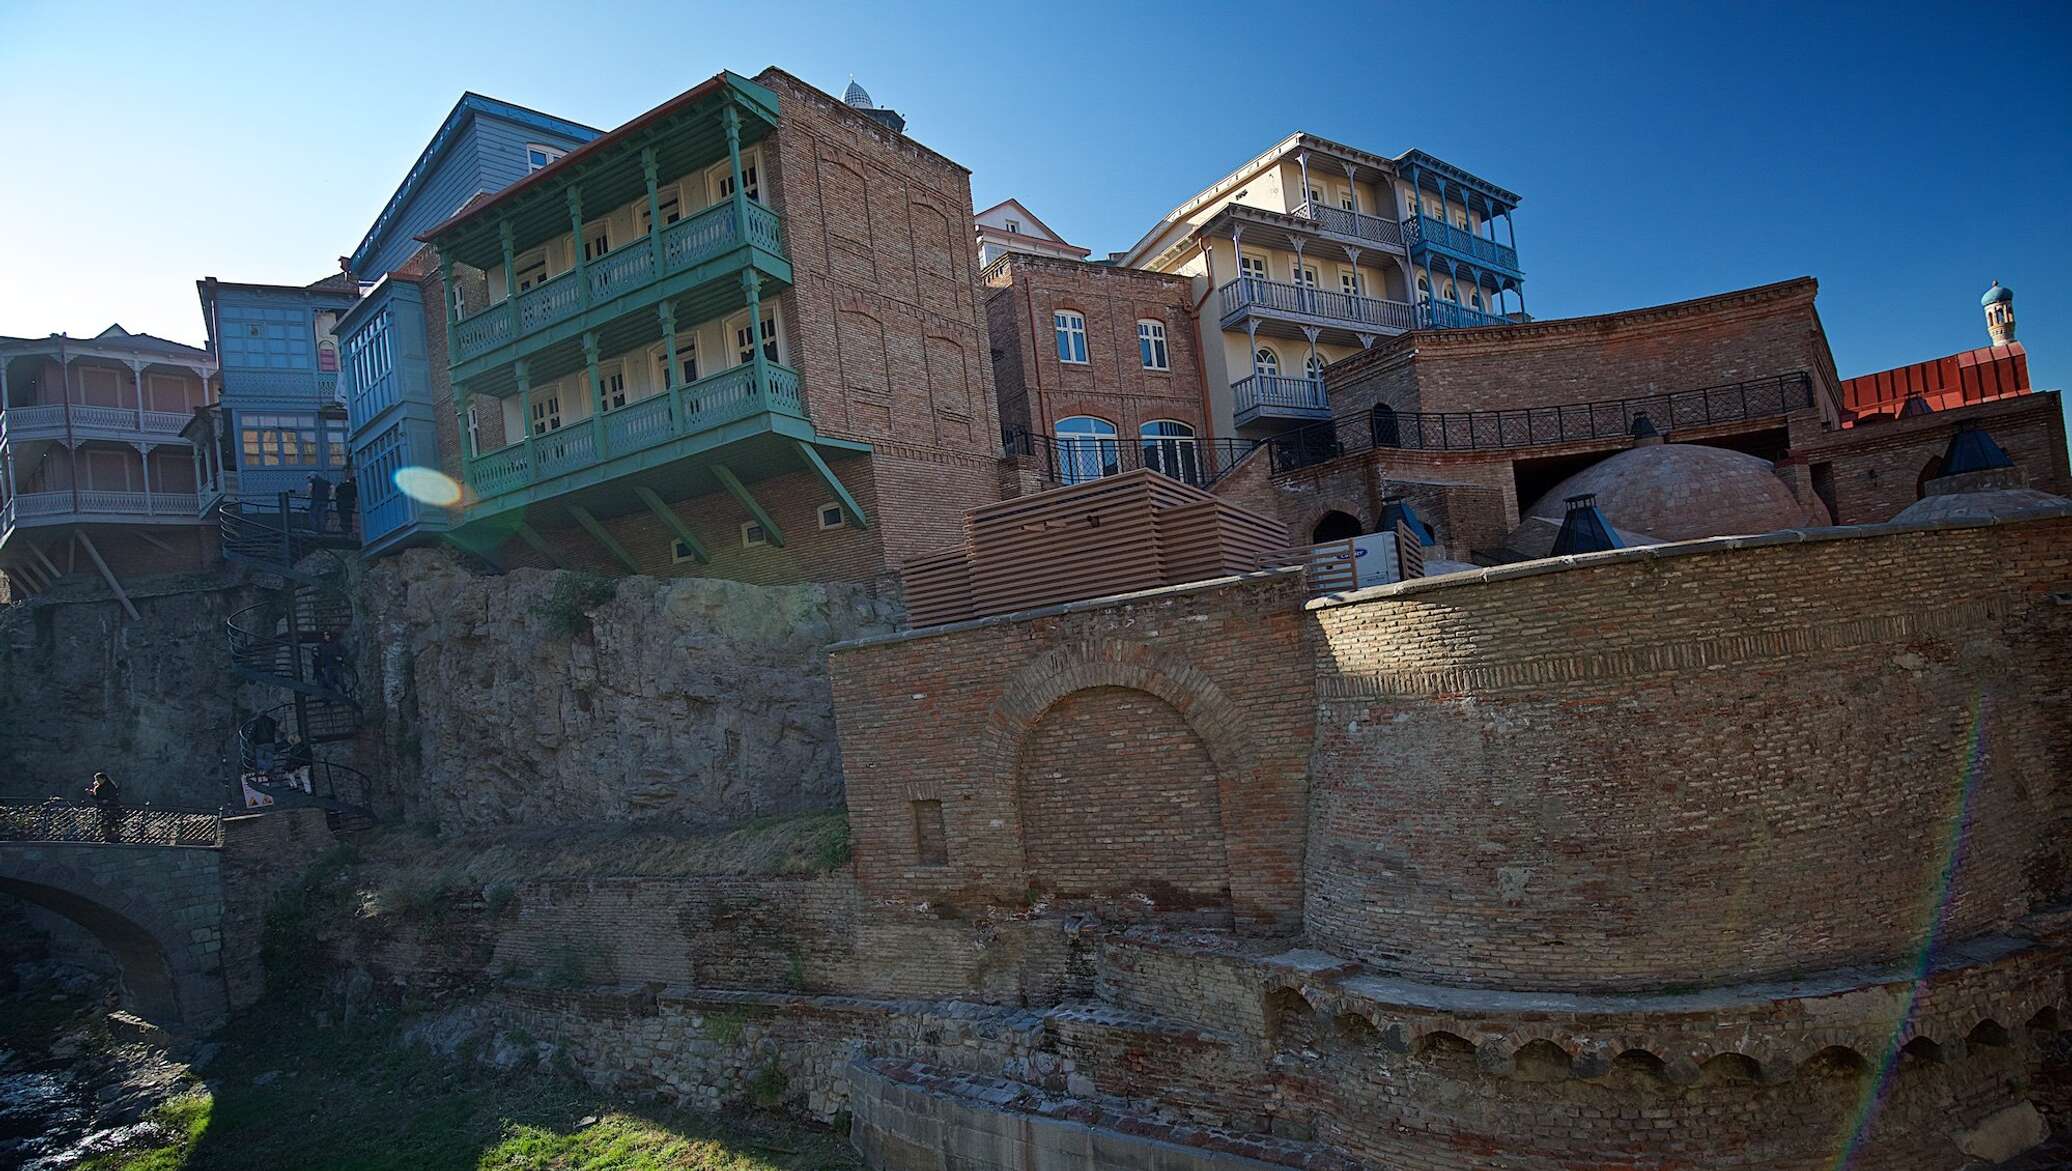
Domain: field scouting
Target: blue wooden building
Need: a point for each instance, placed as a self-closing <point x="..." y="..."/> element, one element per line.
<point x="279" y="357"/>
<point x="390" y="378"/>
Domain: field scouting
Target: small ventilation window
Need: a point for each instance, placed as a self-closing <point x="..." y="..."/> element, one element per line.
<point x="831" y="516"/>
<point x="931" y="839"/>
<point x="753" y="536"/>
<point x="680" y="552"/>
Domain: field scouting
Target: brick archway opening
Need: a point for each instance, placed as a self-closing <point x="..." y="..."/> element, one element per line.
<point x="149" y="987"/>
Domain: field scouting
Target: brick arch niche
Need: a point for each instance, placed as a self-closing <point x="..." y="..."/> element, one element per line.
<point x="1125" y="765"/>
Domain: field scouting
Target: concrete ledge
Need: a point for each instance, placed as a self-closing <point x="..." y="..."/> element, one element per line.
<point x="1706" y="545"/>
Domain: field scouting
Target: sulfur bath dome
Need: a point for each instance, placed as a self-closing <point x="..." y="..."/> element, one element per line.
<point x="1682" y="491"/>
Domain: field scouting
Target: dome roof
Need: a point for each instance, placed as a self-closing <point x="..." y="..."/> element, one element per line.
<point x="856" y="96"/>
<point x="1998" y="504"/>
<point x="1996" y="295"/>
<point x="1683" y="491"/>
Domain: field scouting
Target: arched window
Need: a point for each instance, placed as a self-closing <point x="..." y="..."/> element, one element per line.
<point x="1387" y="431"/>
<point x="1151" y="344"/>
<point x="1265" y="361"/>
<point x="1071" y="331"/>
<point x="1453" y="293"/>
<point x="1170" y="447"/>
<point x="1313" y="369"/>
<point x="1424" y="289"/>
<point x="1086" y="449"/>
<point x="1335" y="526"/>
<point x="1475" y="299"/>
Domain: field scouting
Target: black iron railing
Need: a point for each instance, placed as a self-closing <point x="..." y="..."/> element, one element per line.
<point x="1381" y="427"/>
<point x="59" y="820"/>
<point x="1199" y="462"/>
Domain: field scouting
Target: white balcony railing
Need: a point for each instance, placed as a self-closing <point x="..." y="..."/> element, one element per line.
<point x="1357" y="224"/>
<point x="99" y="503"/>
<point x="1346" y="310"/>
<point x="48" y="421"/>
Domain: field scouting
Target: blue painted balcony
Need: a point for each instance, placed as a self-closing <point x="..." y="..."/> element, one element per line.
<point x="1462" y="244"/>
<point x="1371" y="230"/>
<point x="1443" y="314"/>
<point x="1280" y="308"/>
<point x="1275" y="397"/>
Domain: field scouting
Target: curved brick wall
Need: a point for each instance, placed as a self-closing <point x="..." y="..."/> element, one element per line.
<point x="1734" y="759"/>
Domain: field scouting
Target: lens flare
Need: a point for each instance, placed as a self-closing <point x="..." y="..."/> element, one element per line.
<point x="427" y="486"/>
<point x="1937" y="908"/>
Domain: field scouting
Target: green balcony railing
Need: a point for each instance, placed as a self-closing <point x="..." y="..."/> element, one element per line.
<point x="704" y="405"/>
<point x="686" y="243"/>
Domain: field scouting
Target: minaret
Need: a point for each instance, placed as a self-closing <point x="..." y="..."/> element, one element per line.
<point x="1999" y="306"/>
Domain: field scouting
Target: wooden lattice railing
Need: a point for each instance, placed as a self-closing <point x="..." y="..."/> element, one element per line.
<point x="57" y="820"/>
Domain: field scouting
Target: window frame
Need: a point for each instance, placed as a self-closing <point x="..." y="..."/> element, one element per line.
<point x="1064" y="331"/>
<point x="841" y="517"/>
<point x="666" y="194"/>
<point x="761" y="538"/>
<point x="549" y="155"/>
<point x="1153" y="349"/>
<point x="1271" y="368"/>
<point x="1173" y="454"/>
<point x="1247" y="259"/>
<point x="1086" y="454"/>
<point x="721" y="173"/>
<point x="774" y="349"/>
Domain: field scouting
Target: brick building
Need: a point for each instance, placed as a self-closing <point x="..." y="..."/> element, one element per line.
<point x="1098" y="370"/>
<point x="99" y="480"/>
<point x="735" y="336"/>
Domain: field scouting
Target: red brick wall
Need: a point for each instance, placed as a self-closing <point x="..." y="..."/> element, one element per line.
<point x="1752" y="333"/>
<point x="1698" y="768"/>
<point x="887" y="330"/>
<point x="959" y="715"/>
<point x="1086" y="835"/>
<point x="1022" y="292"/>
<point x="1877" y="468"/>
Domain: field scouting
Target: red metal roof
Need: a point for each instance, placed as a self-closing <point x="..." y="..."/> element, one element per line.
<point x="1969" y="377"/>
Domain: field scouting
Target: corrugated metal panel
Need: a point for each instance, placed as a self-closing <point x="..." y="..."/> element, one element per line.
<point x="1971" y="376"/>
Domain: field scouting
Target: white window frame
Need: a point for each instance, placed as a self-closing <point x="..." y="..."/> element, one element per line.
<point x="1014" y="227"/>
<point x="551" y="153"/>
<point x="1271" y="367"/>
<point x="841" y="519"/>
<point x="720" y="174"/>
<point x="680" y="552"/>
<point x="664" y="196"/>
<point x="1348" y="199"/>
<point x="1089" y="453"/>
<point x="543" y="409"/>
<point x="731" y="328"/>
<point x="591" y="230"/>
<point x="607" y="393"/>
<point x="753" y="535"/>
<point x="1068" y="337"/>
<point x="1253" y="264"/>
<point x="1313" y="368"/>
<point x="658" y="361"/>
<point x="1306" y="276"/>
<point x="524" y="264"/>
<point x="1152" y="350"/>
<point x="1177" y="455"/>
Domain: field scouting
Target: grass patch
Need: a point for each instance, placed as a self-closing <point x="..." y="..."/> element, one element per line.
<point x="365" y="1102"/>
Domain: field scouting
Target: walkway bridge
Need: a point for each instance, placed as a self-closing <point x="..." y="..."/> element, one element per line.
<point x="176" y="896"/>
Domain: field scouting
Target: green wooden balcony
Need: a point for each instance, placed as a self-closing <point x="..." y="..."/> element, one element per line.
<point x="616" y="281"/>
<point x="627" y="439"/>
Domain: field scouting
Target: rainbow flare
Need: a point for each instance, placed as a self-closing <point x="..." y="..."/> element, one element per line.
<point x="1937" y="911"/>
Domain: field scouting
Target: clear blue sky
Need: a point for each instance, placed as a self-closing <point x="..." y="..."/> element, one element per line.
<point x="1904" y="156"/>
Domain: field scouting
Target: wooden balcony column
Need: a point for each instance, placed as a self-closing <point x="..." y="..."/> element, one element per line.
<point x="730" y="117"/>
<point x="1302" y="162"/>
<point x="137" y="385"/>
<point x="582" y="250"/>
<point x="503" y="237"/>
<point x="602" y="442"/>
<point x="452" y="309"/>
<point x="1352" y="187"/>
<point x="672" y="374"/>
<point x="751" y="288"/>
<point x="522" y="370"/>
<point x="650" y="171"/>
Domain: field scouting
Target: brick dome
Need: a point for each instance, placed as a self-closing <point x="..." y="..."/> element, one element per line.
<point x="1992" y="504"/>
<point x="1682" y="491"/>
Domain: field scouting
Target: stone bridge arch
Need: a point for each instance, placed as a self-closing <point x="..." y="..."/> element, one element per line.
<point x="158" y="910"/>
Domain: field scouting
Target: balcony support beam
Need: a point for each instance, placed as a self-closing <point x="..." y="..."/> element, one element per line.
<point x="522" y="371"/>
<point x="673" y="373"/>
<point x="107" y="575"/>
<point x="503" y="237"/>
<point x="575" y="221"/>
<point x="739" y="491"/>
<point x="669" y="518"/>
<point x="531" y="536"/>
<point x="827" y="476"/>
<point x="28" y="574"/>
<point x="596" y="394"/>
<point x="752" y="290"/>
<point x="50" y="570"/>
<point x="730" y="117"/>
<point x="452" y="313"/>
<point x="650" y="170"/>
<point x="603" y="537"/>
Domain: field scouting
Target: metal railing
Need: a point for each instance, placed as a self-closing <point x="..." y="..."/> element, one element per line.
<point x="1279" y="396"/>
<point x="1199" y="462"/>
<point x="1380" y="427"/>
<point x="1358" y="224"/>
<point x="59" y="820"/>
<point x="1443" y="314"/>
<point x="1341" y="309"/>
<point x="94" y="502"/>
<point x="1462" y="241"/>
<point x="49" y="419"/>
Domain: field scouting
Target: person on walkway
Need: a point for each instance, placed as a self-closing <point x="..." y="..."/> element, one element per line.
<point x="328" y="659"/>
<point x="301" y="762"/>
<point x="107" y="798"/>
<point x="319" y="501"/>
<point x="259" y="735"/>
<point x="348" y="500"/>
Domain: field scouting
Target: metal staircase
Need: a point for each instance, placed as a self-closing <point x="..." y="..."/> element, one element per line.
<point x="295" y="640"/>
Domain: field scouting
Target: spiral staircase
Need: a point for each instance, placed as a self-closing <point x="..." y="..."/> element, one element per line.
<point x="295" y="640"/>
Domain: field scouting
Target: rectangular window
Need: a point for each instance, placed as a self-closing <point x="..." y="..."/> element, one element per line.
<point x="680" y="552"/>
<point x="1306" y="276"/>
<point x="670" y="204"/>
<point x="744" y="349"/>
<point x="1252" y="266"/>
<point x="1151" y="344"/>
<point x="537" y="156"/>
<point x="720" y="178"/>
<point x="830" y="516"/>
<point x="1346" y="200"/>
<point x="546" y="413"/>
<point x="686" y="361"/>
<point x="931" y="837"/>
<point x="532" y="269"/>
<point x="1349" y="281"/>
<point x="1014" y="227"/>
<point x="597" y="240"/>
<point x="611" y="385"/>
<point x="273" y="441"/>
<point x="1071" y="336"/>
<point x="753" y="536"/>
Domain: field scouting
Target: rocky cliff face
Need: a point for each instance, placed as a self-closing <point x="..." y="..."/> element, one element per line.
<point x="544" y="697"/>
<point x="84" y="687"/>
